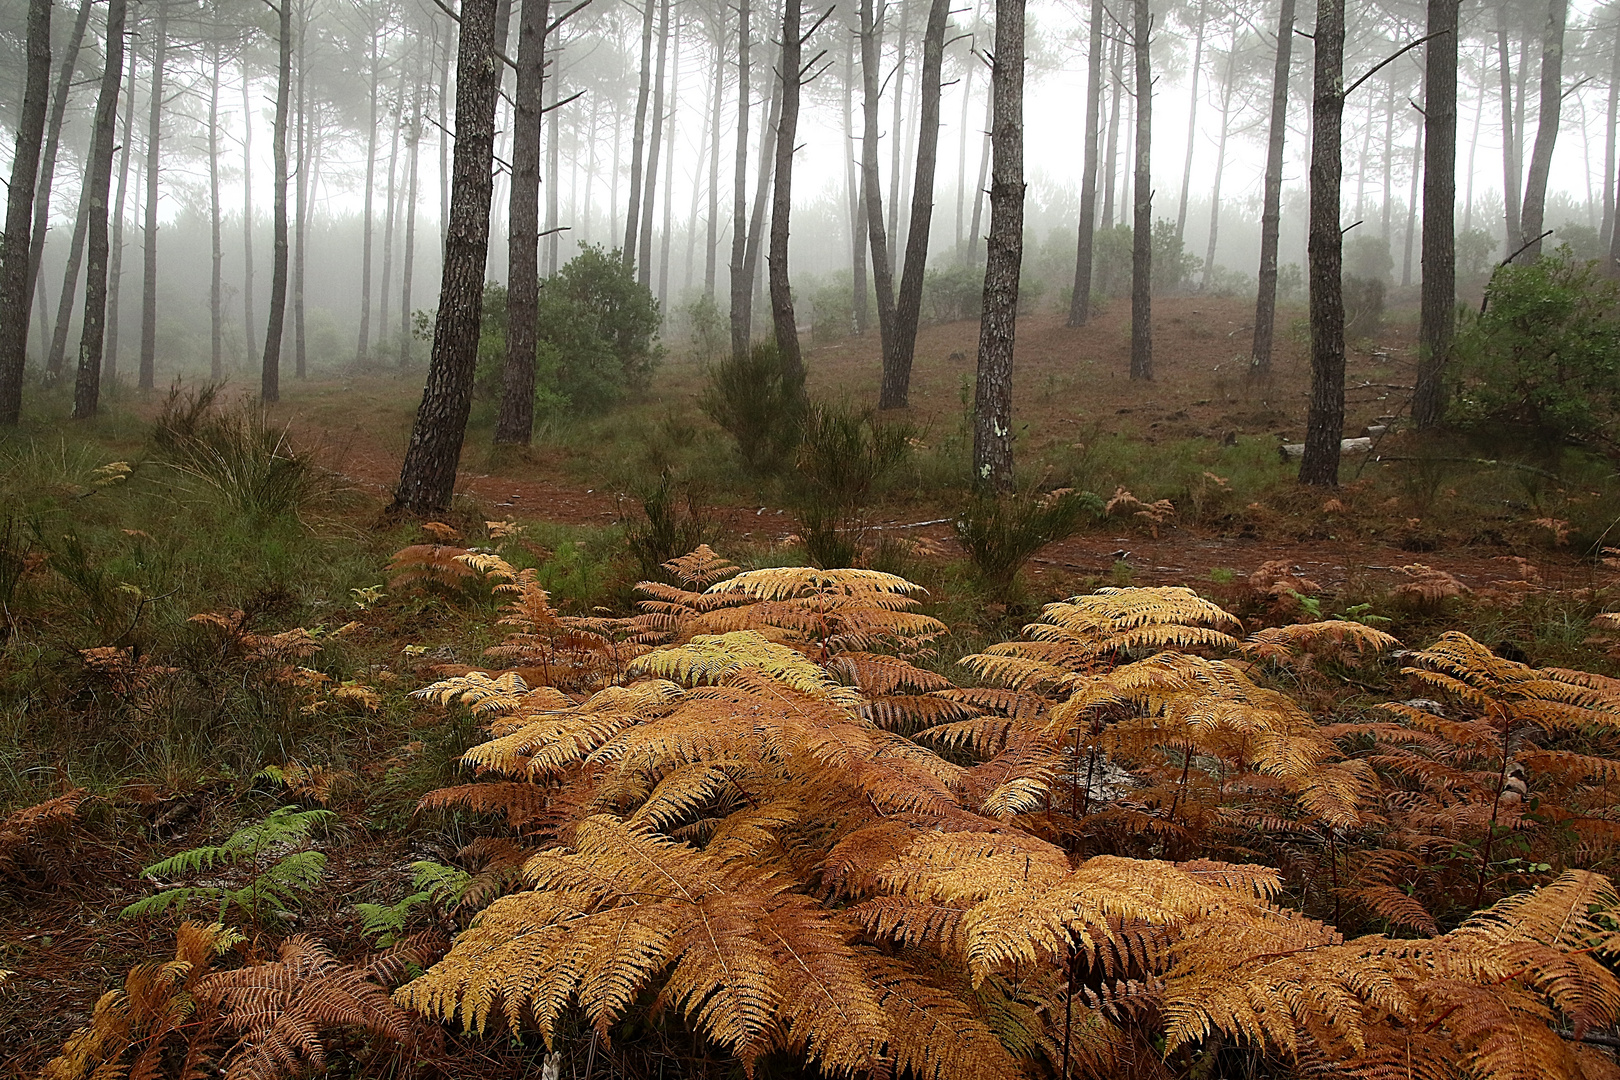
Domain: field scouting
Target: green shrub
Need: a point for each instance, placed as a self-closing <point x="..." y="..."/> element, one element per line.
<point x="598" y="331"/>
<point x="1363" y="306"/>
<point x="668" y="532"/>
<point x="843" y="455"/>
<point x="1000" y="535"/>
<point x="952" y="293"/>
<point x="758" y="404"/>
<point x="1544" y="357"/>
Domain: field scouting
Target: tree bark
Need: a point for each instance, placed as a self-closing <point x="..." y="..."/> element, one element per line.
<point x="1552" y="94"/>
<point x="984" y="179"/>
<point x="216" y="249"/>
<point x="301" y="194"/>
<point x="1220" y="164"/>
<point x="115" y="267"/>
<point x="871" y="186"/>
<point x="444" y="143"/>
<point x="53" y="142"/>
<point x="756" y="214"/>
<point x="56" y="357"/>
<point x="1192" y="124"/>
<point x="1324" y="424"/>
<point x="413" y="140"/>
<point x="1411" y="207"/>
<point x="270" y="376"/>
<point x="908" y="307"/>
<point x="154" y="147"/>
<point x="553" y="239"/>
<point x="1116" y="90"/>
<point x="515" y="422"/>
<point x="632" y="219"/>
<point x="14" y="306"/>
<point x="367" y="217"/>
<point x="962" y="146"/>
<point x="87" y="386"/>
<point x="1473" y="142"/>
<point x="897" y="125"/>
<point x="656" y="127"/>
<point x="669" y="171"/>
<point x="711" y="249"/>
<point x="741" y="278"/>
<point x="992" y="397"/>
<point x="1438" y="316"/>
<point x="1142" y="216"/>
<point x="860" y="310"/>
<point x="1080" y="300"/>
<point x="250" y="322"/>
<point x="1265" y="305"/>
<point x="783" y="319"/>
<point x="1606" y="233"/>
<point x="428" y="476"/>
<point x="390" y="196"/>
<point x="1511" y="144"/>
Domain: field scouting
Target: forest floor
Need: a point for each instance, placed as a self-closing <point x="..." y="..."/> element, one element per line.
<point x="1199" y="435"/>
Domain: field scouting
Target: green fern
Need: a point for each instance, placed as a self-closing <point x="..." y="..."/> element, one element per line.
<point x="435" y="883"/>
<point x="270" y="889"/>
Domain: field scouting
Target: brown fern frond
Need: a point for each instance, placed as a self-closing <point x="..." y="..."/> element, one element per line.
<point x="434" y="565"/>
<point x="1330" y="637"/>
<point x="877" y="674"/>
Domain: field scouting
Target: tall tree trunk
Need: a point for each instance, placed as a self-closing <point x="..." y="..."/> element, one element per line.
<point x="712" y="239"/>
<point x="1265" y="305"/>
<point x="270" y="377"/>
<point x="428" y="477"/>
<point x="53" y="142"/>
<point x="56" y="358"/>
<point x="859" y="309"/>
<point x="669" y="169"/>
<point x="783" y="319"/>
<point x="1111" y="164"/>
<point x="1411" y="207"/>
<point x="154" y="147"/>
<point x="1324" y="422"/>
<point x="216" y="248"/>
<point x="367" y="216"/>
<point x="871" y="187"/>
<point x="413" y="141"/>
<point x="444" y="143"/>
<point x="1192" y="123"/>
<point x="115" y="267"/>
<point x="1552" y="95"/>
<point x="756" y="214"/>
<point x="1142" y="217"/>
<point x="390" y="211"/>
<point x="1438" y="317"/>
<point x="992" y="396"/>
<point x="1389" y="157"/>
<point x="250" y="323"/>
<point x="656" y="127"/>
<point x="14" y="304"/>
<point x="741" y="279"/>
<point x="962" y="150"/>
<point x="1511" y="143"/>
<point x="1080" y="299"/>
<point x="1606" y="233"/>
<point x="1220" y="165"/>
<point x="638" y="135"/>
<point x="984" y="179"/>
<point x="87" y="386"/>
<point x="306" y="159"/>
<point x="515" y="422"/>
<point x="706" y="139"/>
<point x="897" y="126"/>
<point x="553" y="239"/>
<point x="908" y="307"/>
<point x="1473" y="141"/>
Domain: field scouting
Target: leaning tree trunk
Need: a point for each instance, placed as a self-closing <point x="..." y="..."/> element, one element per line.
<point x="908" y="306"/>
<point x="860" y="311"/>
<point x="741" y="277"/>
<point x="367" y="217"/>
<point x="1411" y="206"/>
<point x="984" y="179"/>
<point x="756" y="215"/>
<point x="871" y="187"/>
<point x="56" y="357"/>
<point x="1080" y="301"/>
<point x="783" y="319"/>
<point x="14" y="304"/>
<point x="1265" y="305"/>
<point x="115" y="263"/>
<point x="1324" y="423"/>
<point x="413" y="139"/>
<point x="1511" y="143"/>
<point x="632" y="218"/>
<point x="53" y="142"/>
<point x="87" y="385"/>
<point x="1192" y="123"/>
<point x="154" y="147"/>
<point x="444" y="144"/>
<point x="515" y="423"/>
<point x="656" y="126"/>
<point x="428" y="477"/>
<point x="1438" y="317"/>
<point x="992" y="398"/>
<point x="1142" y="216"/>
<point x="270" y="377"/>
<point x="1552" y="96"/>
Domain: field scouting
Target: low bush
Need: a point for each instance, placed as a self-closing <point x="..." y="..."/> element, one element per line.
<point x="759" y="404"/>
<point x="843" y="455"/>
<point x="1000" y="535"/>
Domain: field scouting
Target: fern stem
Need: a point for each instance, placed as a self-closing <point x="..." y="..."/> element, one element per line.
<point x="1496" y="807"/>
